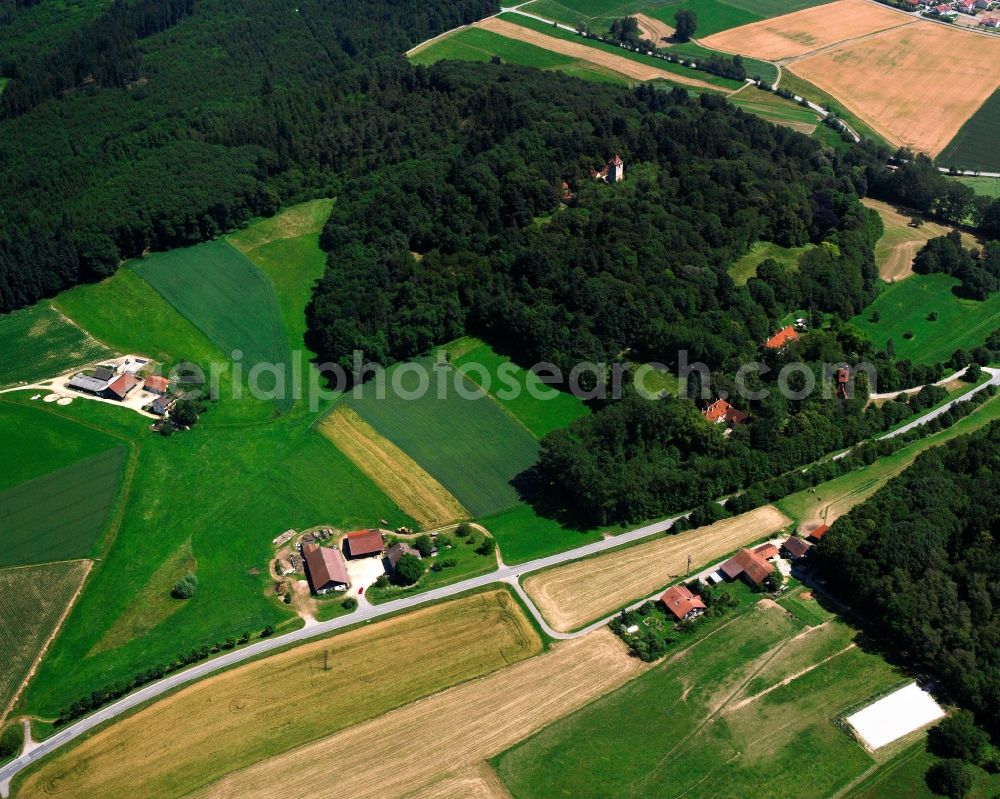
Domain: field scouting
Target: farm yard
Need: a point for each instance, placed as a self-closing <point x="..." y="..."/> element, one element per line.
<point x="61" y="515"/>
<point x="391" y="469"/>
<point x="905" y="306"/>
<point x="742" y="707"/>
<point x="33" y="600"/>
<point x="572" y="595"/>
<point x="873" y="77"/>
<point x="470" y="446"/>
<point x="249" y="714"/>
<point x="901" y="241"/>
<point x="801" y="32"/>
<point x="223" y="294"/>
<point x="449" y="733"/>
<point x="40" y="342"/>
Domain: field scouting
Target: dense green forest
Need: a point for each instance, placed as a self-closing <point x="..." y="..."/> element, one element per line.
<point x="920" y="561"/>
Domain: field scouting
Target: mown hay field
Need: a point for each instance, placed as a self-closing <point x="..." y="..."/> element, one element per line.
<point x="730" y="715"/>
<point x="392" y="470"/>
<point x="430" y="741"/>
<point x="794" y="35"/>
<point x="61" y="515"/>
<point x="33" y="599"/>
<point x="885" y="80"/>
<point x="471" y="446"/>
<point x="904" y="307"/>
<point x="570" y="596"/>
<point x="223" y="294"/>
<point x="39" y="342"/>
<point x="252" y="713"/>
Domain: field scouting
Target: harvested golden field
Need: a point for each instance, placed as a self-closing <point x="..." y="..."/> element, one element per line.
<point x="476" y="783"/>
<point x="252" y="713"/>
<point x="638" y="70"/>
<point x="402" y="479"/>
<point x="417" y="746"/>
<point x="801" y="32"/>
<point x="901" y="242"/>
<point x="570" y="596"/>
<point x="916" y="85"/>
<point x="653" y="29"/>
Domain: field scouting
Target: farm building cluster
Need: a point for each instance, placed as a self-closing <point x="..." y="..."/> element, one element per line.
<point x="126" y="380"/>
<point x="951" y="11"/>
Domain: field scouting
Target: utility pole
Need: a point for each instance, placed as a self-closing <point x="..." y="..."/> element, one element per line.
<point x="689" y="567"/>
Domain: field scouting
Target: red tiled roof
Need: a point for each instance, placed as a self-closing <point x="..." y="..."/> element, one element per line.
<point x="679" y="600"/>
<point x="325" y="567"/>
<point x="781" y="338"/>
<point x="122" y="385"/>
<point x="617" y="160"/>
<point x="157" y="383"/>
<point x="766" y="551"/>
<point x="795" y="546"/>
<point x="746" y="563"/>
<point x="365" y="542"/>
<point x="720" y="410"/>
<point x="819" y="532"/>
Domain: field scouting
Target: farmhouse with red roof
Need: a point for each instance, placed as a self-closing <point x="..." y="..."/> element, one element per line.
<point x="781" y="339"/>
<point x="682" y="603"/>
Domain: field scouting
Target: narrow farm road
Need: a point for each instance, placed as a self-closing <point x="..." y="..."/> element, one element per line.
<point x="368" y="613"/>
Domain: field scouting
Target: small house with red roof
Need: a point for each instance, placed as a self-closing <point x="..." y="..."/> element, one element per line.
<point x="119" y="388"/>
<point x="156" y="385"/>
<point x="818" y="533"/>
<point x="747" y="565"/>
<point x="721" y="412"/>
<point x="781" y="339"/>
<point x="682" y="603"/>
<point x="363" y="543"/>
<point x="794" y="548"/>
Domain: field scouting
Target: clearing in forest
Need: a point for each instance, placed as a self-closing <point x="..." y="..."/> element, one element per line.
<point x="794" y="35"/>
<point x="396" y="473"/>
<point x="446" y="734"/>
<point x="570" y="596"/>
<point x="916" y="85"/>
<point x="33" y="602"/>
<point x="255" y="712"/>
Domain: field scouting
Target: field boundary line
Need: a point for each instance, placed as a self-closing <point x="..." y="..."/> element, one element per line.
<point x="828" y="47"/>
<point x="88" y="565"/>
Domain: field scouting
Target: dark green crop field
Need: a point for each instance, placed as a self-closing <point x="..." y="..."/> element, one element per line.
<point x="975" y="146"/>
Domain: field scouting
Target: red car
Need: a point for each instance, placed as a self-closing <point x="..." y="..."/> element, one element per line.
<point x="361" y="590"/>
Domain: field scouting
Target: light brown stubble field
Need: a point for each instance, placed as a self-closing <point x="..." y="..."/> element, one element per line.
<point x="572" y="595"/>
<point x="653" y="29"/>
<point x="407" y="751"/>
<point x="802" y="32"/>
<point x="254" y="712"/>
<point x="916" y="85"/>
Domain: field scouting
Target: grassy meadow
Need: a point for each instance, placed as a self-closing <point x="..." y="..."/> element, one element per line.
<point x="32" y="600"/>
<point x="765" y="70"/>
<point x="745" y="268"/>
<point x="524" y="535"/>
<point x="231" y="301"/>
<point x="987" y="187"/>
<point x="39" y="342"/>
<point x="903" y="775"/>
<point x="738" y="708"/>
<point x="975" y="144"/>
<point x="61" y="515"/>
<point x="904" y="307"/>
<point x="471" y="446"/>
<point x="513" y="387"/>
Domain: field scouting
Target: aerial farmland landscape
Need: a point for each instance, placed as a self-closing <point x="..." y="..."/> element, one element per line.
<point x="456" y="400"/>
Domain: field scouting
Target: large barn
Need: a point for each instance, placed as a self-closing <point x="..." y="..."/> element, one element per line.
<point x="325" y="569"/>
<point x="363" y="543"/>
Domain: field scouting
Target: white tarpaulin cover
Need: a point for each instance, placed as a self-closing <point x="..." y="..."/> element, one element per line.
<point x="895" y="715"/>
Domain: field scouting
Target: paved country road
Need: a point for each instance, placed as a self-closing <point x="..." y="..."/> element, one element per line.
<point x="367" y="613"/>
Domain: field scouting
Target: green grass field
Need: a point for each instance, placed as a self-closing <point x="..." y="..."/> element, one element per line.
<point x="223" y="294"/>
<point x="39" y="342"/>
<point x="32" y="599"/>
<point x="746" y="267"/>
<point x="524" y="535"/>
<point x="471" y="446"/>
<point x="903" y="775"/>
<point x="513" y="387"/>
<point x="987" y="187"/>
<point x="61" y="515"/>
<point x="732" y="715"/>
<point x="904" y="307"/>
<point x="755" y="68"/>
<point x="36" y="440"/>
<point x="975" y="144"/>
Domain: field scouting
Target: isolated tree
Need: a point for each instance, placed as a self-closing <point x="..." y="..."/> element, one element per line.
<point x="185" y="587"/>
<point x="486" y="547"/>
<point x="916" y="221"/>
<point x="185" y="413"/>
<point x="957" y="736"/>
<point x="408" y="569"/>
<point x="774" y="580"/>
<point x="444" y="541"/>
<point x="685" y="23"/>
<point x="951" y="777"/>
<point x="464" y="530"/>
<point x="973" y="373"/>
<point x="424" y="545"/>
<point x="349" y="603"/>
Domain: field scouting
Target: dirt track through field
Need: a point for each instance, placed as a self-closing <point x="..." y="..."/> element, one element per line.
<point x="572" y="595"/>
<point x="653" y="29"/>
<point x="396" y="473"/>
<point x="238" y="718"/>
<point x="916" y="84"/>
<point x="413" y="748"/>
<point x="794" y="35"/>
<point x="624" y="66"/>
